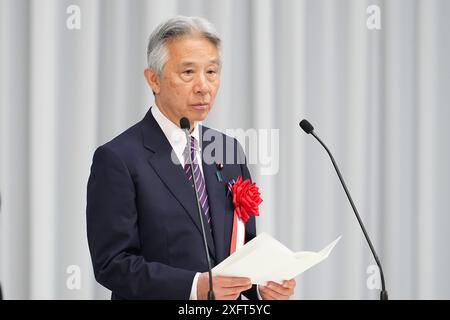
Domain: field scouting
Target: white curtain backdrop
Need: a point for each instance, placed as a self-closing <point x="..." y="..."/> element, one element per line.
<point x="379" y="98"/>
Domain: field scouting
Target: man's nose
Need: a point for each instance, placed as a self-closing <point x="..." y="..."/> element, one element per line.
<point x="201" y="84"/>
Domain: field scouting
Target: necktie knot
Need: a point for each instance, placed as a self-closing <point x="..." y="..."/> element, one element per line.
<point x="194" y="143"/>
<point x="191" y="148"/>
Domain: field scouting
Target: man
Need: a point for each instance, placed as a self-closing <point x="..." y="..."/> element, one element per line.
<point x="142" y="221"/>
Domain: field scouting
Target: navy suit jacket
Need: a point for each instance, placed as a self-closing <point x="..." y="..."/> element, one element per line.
<point x="143" y="227"/>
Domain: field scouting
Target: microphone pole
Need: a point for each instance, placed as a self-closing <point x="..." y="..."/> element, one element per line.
<point x="309" y="129"/>
<point x="185" y="125"/>
<point x="1" y="294"/>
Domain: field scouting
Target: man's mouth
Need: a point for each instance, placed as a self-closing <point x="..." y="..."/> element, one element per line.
<point x="200" y="106"/>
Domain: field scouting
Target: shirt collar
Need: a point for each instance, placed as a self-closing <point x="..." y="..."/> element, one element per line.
<point x="173" y="133"/>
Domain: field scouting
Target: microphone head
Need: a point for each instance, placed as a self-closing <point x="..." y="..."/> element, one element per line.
<point x="306" y="126"/>
<point x="184" y="123"/>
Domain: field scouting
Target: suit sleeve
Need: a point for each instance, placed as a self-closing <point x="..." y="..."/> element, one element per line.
<point x="250" y="227"/>
<point x="113" y="237"/>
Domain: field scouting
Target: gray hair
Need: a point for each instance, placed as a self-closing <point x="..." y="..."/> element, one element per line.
<point x="178" y="26"/>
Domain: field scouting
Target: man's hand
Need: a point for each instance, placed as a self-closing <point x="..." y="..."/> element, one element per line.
<point x="275" y="291"/>
<point x="225" y="288"/>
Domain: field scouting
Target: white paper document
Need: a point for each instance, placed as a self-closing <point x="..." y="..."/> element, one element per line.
<point x="265" y="259"/>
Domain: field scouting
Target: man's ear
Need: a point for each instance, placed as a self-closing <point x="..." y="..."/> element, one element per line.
<point x="152" y="80"/>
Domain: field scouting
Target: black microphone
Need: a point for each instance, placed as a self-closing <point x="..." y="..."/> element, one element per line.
<point x="185" y="125"/>
<point x="1" y="294"/>
<point x="308" y="128"/>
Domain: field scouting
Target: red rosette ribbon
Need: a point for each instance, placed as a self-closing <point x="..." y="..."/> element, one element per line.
<point x="246" y="199"/>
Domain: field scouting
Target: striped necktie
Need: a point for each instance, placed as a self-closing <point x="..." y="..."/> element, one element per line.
<point x="197" y="176"/>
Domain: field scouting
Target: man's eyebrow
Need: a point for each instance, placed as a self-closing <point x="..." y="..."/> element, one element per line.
<point x="190" y="63"/>
<point x="187" y="64"/>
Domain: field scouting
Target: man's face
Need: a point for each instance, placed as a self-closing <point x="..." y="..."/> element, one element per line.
<point x="189" y="81"/>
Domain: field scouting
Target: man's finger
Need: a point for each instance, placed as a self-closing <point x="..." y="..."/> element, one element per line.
<point x="289" y="283"/>
<point x="233" y="281"/>
<point x="232" y="290"/>
<point x="278" y="288"/>
<point x="268" y="294"/>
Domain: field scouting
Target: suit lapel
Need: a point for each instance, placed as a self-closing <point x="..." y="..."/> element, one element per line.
<point x="216" y="194"/>
<point x="222" y="220"/>
<point x="172" y="174"/>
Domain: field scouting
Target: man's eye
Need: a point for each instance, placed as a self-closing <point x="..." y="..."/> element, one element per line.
<point x="188" y="72"/>
<point x="212" y="71"/>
